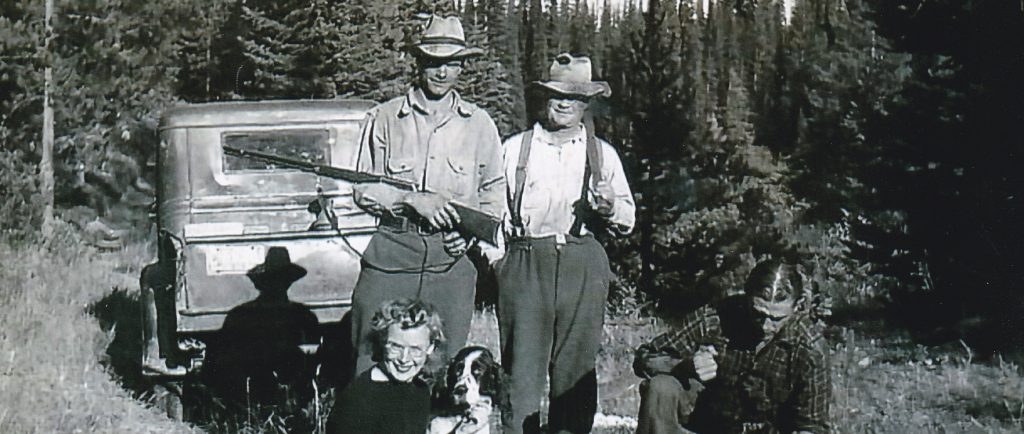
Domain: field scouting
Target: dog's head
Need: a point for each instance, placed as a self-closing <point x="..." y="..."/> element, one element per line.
<point x="472" y="374"/>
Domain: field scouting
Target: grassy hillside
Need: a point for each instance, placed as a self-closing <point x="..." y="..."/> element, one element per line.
<point x="53" y="377"/>
<point x="57" y="370"/>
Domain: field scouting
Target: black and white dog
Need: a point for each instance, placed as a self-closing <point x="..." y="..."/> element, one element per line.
<point x="473" y="388"/>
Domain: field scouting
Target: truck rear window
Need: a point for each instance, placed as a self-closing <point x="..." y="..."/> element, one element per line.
<point x="307" y="145"/>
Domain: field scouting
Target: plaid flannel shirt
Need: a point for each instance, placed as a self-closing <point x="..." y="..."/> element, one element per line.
<point x="784" y="387"/>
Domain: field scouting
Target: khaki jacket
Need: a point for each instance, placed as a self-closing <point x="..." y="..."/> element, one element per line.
<point x="455" y="151"/>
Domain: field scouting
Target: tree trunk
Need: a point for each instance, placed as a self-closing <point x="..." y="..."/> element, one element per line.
<point x="46" y="162"/>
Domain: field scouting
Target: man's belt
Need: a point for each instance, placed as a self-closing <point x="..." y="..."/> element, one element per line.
<point x="404" y="224"/>
<point x="551" y="239"/>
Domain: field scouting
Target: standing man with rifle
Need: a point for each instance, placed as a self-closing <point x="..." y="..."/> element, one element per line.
<point x="451" y="150"/>
<point x="553" y="281"/>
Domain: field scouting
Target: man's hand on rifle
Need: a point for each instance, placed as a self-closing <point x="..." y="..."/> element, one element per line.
<point x="434" y="208"/>
<point x="454" y="244"/>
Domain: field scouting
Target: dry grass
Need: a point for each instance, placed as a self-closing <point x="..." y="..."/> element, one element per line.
<point x="56" y="375"/>
<point x="51" y="376"/>
<point x="897" y="387"/>
<point x="880" y="386"/>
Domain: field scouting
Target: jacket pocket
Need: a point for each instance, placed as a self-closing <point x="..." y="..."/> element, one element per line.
<point x="398" y="166"/>
<point x="461" y="172"/>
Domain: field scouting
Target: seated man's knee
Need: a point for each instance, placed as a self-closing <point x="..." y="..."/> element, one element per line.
<point x="661" y="386"/>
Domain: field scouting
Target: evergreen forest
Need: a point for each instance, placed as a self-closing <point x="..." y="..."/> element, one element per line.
<point x="875" y="142"/>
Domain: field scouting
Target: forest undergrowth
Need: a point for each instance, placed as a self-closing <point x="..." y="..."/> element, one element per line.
<point x="64" y="306"/>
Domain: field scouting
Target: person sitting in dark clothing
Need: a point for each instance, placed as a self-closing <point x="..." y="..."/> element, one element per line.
<point x="761" y="360"/>
<point x="393" y="396"/>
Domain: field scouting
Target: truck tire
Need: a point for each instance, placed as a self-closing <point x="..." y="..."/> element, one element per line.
<point x="166" y="397"/>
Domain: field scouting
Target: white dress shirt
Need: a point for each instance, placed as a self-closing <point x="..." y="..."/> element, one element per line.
<point x="554" y="181"/>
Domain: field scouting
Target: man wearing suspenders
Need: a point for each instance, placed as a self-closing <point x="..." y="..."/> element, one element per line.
<point x="564" y="184"/>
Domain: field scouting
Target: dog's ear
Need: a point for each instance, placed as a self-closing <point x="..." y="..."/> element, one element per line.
<point x="498" y="388"/>
<point x="493" y="381"/>
<point x="492" y="378"/>
<point x="454" y="370"/>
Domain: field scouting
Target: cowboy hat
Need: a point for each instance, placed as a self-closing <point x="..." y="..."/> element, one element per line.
<point x="276" y="271"/>
<point x="571" y="75"/>
<point x="443" y="38"/>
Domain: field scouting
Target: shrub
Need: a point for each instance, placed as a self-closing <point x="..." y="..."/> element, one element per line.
<point x="20" y="198"/>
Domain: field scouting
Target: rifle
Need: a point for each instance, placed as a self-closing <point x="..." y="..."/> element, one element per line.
<point x="473" y="223"/>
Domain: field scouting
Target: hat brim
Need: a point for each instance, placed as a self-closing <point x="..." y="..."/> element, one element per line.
<point x="445" y="51"/>
<point x="589" y="90"/>
<point x="287" y="274"/>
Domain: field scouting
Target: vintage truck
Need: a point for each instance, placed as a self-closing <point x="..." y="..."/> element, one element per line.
<point x="217" y="217"/>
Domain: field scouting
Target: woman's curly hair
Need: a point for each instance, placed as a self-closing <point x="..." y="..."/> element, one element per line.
<point x="408" y="314"/>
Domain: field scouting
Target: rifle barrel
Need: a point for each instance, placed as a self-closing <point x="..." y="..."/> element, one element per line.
<point x="319" y="169"/>
<point x="475" y="223"/>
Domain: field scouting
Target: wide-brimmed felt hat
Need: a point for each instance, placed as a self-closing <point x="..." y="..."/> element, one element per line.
<point x="443" y="38"/>
<point x="571" y="75"/>
<point x="276" y="271"/>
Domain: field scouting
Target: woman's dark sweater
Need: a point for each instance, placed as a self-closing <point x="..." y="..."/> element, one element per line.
<point x="371" y="407"/>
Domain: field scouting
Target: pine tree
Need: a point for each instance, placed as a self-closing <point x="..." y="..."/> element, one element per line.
<point x="486" y="80"/>
<point x="556" y="17"/>
<point x="839" y="86"/>
<point x="535" y="44"/>
<point x="116" y="65"/>
<point x="582" y="29"/>
<point x="270" y="47"/>
<point x="372" y="39"/>
<point x="603" y="36"/>
<point x="319" y="41"/>
<point x="535" y="56"/>
<point x="745" y="212"/>
<point x="198" y="51"/>
<point x="648" y="86"/>
<point x="503" y="45"/>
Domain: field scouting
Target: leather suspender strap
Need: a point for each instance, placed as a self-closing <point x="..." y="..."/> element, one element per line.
<point x="592" y="172"/>
<point x="594" y="157"/>
<point x="524" y="159"/>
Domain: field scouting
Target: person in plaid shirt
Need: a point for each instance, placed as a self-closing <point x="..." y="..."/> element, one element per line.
<point x="762" y="361"/>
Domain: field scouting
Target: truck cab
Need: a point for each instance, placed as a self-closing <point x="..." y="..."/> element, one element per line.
<point x="218" y="217"/>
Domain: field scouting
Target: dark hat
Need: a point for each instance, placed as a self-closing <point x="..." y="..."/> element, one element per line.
<point x="443" y="38"/>
<point x="571" y="75"/>
<point x="277" y="270"/>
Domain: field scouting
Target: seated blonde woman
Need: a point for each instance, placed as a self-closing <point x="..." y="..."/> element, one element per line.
<point x="393" y="396"/>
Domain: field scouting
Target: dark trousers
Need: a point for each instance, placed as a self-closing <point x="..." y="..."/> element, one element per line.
<point x="551" y="300"/>
<point x="450" y="290"/>
<point x="661" y="406"/>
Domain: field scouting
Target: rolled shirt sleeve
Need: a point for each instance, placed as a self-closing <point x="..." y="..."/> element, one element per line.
<point x="624" y="208"/>
<point x="683" y="341"/>
<point x="491" y="190"/>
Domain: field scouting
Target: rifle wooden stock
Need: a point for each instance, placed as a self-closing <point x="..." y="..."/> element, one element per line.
<point x="473" y="223"/>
